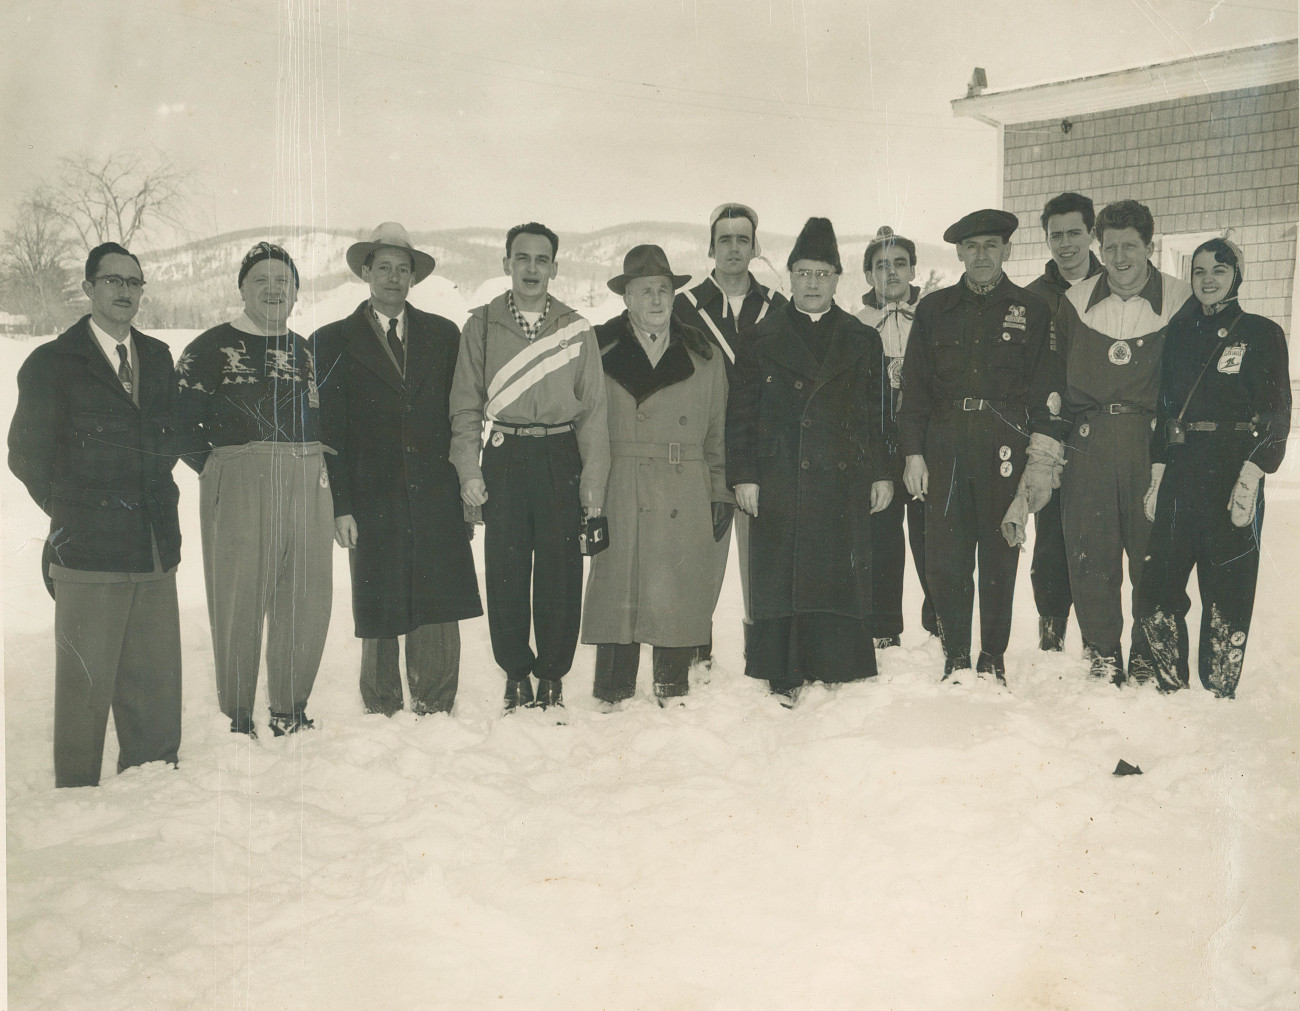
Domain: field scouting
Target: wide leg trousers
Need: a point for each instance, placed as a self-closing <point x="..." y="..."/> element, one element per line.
<point x="118" y="647"/>
<point x="268" y="534"/>
<point x="432" y="670"/>
<point x="889" y="559"/>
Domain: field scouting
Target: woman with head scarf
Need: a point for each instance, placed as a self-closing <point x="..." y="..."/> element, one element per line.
<point x="1222" y="422"/>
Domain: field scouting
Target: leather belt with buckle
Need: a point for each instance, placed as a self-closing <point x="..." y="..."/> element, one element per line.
<point x="533" y="431"/>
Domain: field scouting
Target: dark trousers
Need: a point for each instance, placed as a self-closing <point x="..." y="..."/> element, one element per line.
<point x="617" y="663"/>
<point x="432" y="670"/>
<point x="534" y="569"/>
<point x="1050" y="571"/>
<point x="888" y="559"/>
<point x="813" y="646"/>
<point x="117" y="646"/>
<point x="962" y="529"/>
<point x="1192" y="529"/>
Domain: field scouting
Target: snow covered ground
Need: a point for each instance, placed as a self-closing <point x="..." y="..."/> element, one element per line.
<point x="892" y="845"/>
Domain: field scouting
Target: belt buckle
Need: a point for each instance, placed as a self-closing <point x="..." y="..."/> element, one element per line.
<point x="1113" y="408"/>
<point x="970" y="404"/>
<point x="536" y="431"/>
<point x="674" y="452"/>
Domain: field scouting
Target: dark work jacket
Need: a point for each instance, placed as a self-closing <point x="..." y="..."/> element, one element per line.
<point x="998" y="347"/>
<point x="808" y="433"/>
<point x="1248" y="381"/>
<point x="412" y="564"/>
<point x="99" y="466"/>
<point x="1050" y="285"/>
<point x="759" y="301"/>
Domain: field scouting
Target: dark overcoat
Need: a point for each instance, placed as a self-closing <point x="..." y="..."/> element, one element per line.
<point x="99" y="466"/>
<point x="809" y="434"/>
<point x="391" y="435"/>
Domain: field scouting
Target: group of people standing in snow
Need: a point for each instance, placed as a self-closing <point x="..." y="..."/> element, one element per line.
<point x="1132" y="414"/>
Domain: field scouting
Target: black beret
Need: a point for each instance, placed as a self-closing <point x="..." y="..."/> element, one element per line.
<point x="985" y="222"/>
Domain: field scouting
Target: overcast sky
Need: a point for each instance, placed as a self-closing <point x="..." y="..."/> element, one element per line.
<point x="575" y="112"/>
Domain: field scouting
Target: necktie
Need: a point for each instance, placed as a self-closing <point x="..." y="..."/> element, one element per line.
<point x="395" y="343"/>
<point x="124" y="368"/>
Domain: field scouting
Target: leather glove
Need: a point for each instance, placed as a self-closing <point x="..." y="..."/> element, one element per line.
<point x="1153" y="491"/>
<point x="721" y="519"/>
<point x="1245" y="493"/>
<point x="1016" y="520"/>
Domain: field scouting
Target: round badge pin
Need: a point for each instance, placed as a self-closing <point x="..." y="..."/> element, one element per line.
<point x="1223" y="332"/>
<point x="1238" y="637"/>
<point x="497" y="438"/>
<point x="1006" y="336"/>
<point x="1005" y="469"/>
<point x="1120" y="353"/>
<point x="1084" y="429"/>
<point x="1004" y="452"/>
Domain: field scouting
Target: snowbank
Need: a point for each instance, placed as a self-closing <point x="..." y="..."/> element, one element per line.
<point x="899" y="844"/>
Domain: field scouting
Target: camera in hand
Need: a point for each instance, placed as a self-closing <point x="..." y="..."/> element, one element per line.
<point x="593" y="537"/>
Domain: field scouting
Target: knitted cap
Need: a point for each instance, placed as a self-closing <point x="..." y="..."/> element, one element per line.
<point x="266" y="251"/>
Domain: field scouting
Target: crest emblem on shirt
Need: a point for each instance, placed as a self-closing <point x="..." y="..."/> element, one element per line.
<point x="1120" y="353"/>
<point x="1230" y="360"/>
<point x="896" y="373"/>
<point x="497" y="438"/>
<point x="1015" y="317"/>
<point x="1054" y="404"/>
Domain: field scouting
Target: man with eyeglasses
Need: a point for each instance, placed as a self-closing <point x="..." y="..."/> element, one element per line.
<point x="726" y="305"/>
<point x="91" y="441"/>
<point x="249" y="424"/>
<point x="980" y="418"/>
<point x="385" y="375"/>
<point x="808" y="460"/>
<point x="530" y="367"/>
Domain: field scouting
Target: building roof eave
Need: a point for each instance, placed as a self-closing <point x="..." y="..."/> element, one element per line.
<point x="1227" y="70"/>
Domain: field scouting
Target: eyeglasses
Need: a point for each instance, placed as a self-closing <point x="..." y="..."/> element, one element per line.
<point x="117" y="283"/>
<point x="808" y="275"/>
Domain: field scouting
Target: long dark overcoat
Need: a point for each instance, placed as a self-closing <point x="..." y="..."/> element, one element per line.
<point x="100" y="466"/>
<point x="809" y="434"/>
<point x="412" y="565"/>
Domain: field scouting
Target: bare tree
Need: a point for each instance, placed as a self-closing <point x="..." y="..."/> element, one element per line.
<point x="119" y="197"/>
<point x="34" y="278"/>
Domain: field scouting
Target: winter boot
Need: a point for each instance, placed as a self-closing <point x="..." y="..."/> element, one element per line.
<point x="671" y="677"/>
<point x="1051" y="633"/>
<point x="988" y="663"/>
<point x="291" y="723"/>
<point x="786" y="692"/>
<point x="549" y="693"/>
<point x="1106" y="663"/>
<point x="953" y="666"/>
<point x="242" y="723"/>
<point x="518" y="694"/>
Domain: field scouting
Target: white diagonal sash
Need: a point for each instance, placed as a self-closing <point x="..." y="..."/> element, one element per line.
<point x="532" y="364"/>
<point x="708" y="320"/>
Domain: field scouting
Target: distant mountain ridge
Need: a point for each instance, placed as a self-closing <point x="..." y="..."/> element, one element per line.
<point x="193" y="285"/>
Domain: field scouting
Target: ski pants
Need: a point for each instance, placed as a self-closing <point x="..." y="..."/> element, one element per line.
<point x="1193" y="530"/>
<point x="888" y="559"/>
<point x="534" y="568"/>
<point x="1049" y="572"/>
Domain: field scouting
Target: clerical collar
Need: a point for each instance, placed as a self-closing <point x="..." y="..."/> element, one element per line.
<point x="983" y="289"/>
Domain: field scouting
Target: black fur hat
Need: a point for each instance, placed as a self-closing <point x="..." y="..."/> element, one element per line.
<point x="816" y="242"/>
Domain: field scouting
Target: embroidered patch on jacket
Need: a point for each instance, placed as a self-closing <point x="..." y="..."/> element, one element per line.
<point x="1054" y="404"/>
<point x="1004" y="452"/>
<point x="1230" y="360"/>
<point x="896" y="373"/>
<point x="1084" y="429"/>
<point x="1120" y="353"/>
<point x="1015" y="317"/>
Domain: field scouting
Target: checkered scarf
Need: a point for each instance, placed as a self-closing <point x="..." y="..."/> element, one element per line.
<point x="531" y="330"/>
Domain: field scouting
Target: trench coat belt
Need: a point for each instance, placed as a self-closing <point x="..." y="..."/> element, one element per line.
<point x="1116" y="409"/>
<point x="1214" y="426"/>
<point x="673" y="452"/>
<point x="536" y="431"/>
